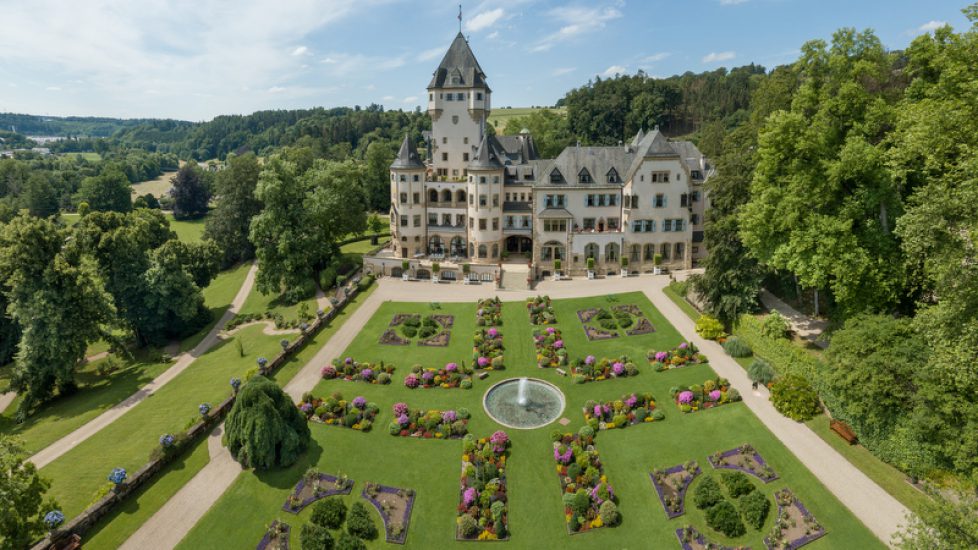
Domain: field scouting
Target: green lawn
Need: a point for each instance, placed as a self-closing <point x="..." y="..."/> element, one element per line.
<point x="190" y="231"/>
<point x="122" y="522"/>
<point x="218" y="297"/>
<point x="261" y="303"/>
<point x="363" y="247"/>
<point x="239" y="518"/>
<point x="89" y="156"/>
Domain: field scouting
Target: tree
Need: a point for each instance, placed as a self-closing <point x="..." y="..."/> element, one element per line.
<point x="550" y="131"/>
<point x="378" y="159"/>
<point x="109" y="191"/>
<point x="9" y="332"/>
<point x="58" y="299"/>
<point x="22" y="490"/>
<point x="264" y="428"/>
<point x="227" y="225"/>
<point x="376" y="224"/>
<point x="943" y="523"/>
<point x="40" y="198"/>
<point x="173" y="305"/>
<point x="190" y="193"/>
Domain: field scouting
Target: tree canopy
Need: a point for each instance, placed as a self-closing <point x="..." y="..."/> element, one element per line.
<point x="22" y="503"/>
<point x="264" y="428"/>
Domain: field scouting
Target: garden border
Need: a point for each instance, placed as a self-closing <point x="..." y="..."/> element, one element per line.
<point x="302" y="483"/>
<point x="266" y="540"/>
<point x="407" y="513"/>
<point x="682" y="492"/>
<point x="757" y="457"/>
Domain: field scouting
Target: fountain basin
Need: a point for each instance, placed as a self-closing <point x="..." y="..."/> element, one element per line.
<point x="544" y="403"/>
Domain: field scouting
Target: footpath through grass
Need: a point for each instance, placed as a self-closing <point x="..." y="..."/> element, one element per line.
<point x="239" y="518"/>
<point x="125" y="520"/>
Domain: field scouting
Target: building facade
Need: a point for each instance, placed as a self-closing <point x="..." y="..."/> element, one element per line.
<point x="482" y="199"/>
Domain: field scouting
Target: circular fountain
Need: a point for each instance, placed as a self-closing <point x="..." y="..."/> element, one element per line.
<point x="523" y="403"/>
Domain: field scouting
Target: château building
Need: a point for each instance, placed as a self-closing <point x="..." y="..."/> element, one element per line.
<point x="479" y="199"/>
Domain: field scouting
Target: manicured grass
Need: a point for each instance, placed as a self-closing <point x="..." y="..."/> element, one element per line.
<point x="119" y="525"/>
<point x="218" y="297"/>
<point x="188" y="231"/>
<point x="363" y="247"/>
<point x="158" y="187"/>
<point x="78" y="474"/>
<point x="680" y="301"/>
<point x="239" y="518"/>
<point x="89" y="156"/>
<point x="260" y="303"/>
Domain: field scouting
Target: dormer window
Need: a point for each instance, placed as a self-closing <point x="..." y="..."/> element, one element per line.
<point x="584" y="176"/>
<point x="556" y="176"/>
<point x="613" y="176"/>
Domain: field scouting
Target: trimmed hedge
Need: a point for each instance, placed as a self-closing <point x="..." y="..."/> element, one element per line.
<point x="754" y="508"/>
<point x="784" y="356"/>
<point x="707" y="493"/>
<point x="724" y="518"/>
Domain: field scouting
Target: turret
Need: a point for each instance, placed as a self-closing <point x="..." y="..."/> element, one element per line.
<point x="408" y="200"/>
<point x="485" y="188"/>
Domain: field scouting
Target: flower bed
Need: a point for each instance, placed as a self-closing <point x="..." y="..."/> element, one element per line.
<point x="431" y="330"/>
<point x="314" y="486"/>
<point x="550" y="348"/>
<point x="683" y="355"/>
<point x="483" y="510"/>
<point x="691" y="539"/>
<point x="428" y="424"/>
<point x="450" y="376"/>
<point x="745" y="459"/>
<point x="585" y="488"/>
<point x="712" y="393"/>
<point x="487" y="351"/>
<point x="489" y="312"/>
<point x="357" y="414"/>
<point x="621" y="413"/>
<point x="601" y="324"/>
<point x="591" y="369"/>
<point x="355" y="371"/>
<point x="671" y="485"/>
<point x="541" y="311"/>
<point x="394" y="506"/>
<point x="276" y="537"/>
<point x="795" y="526"/>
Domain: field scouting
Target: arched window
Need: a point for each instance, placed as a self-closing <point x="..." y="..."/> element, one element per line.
<point x="636" y="254"/>
<point x="552" y="250"/>
<point x="611" y="252"/>
<point x="591" y="250"/>
<point x="446" y="196"/>
<point x="483" y="251"/>
<point x="495" y="251"/>
<point x="435" y="245"/>
<point x="460" y="196"/>
<point x="432" y="195"/>
<point x="457" y="247"/>
<point x="471" y="250"/>
<point x="664" y="250"/>
<point x="679" y="251"/>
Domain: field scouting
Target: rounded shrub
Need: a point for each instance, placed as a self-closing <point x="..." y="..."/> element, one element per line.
<point x="608" y="512"/>
<point x="658" y="415"/>
<point x="707" y="493"/>
<point x="794" y="397"/>
<point x="735" y="347"/>
<point x="736" y="483"/>
<point x="329" y="513"/>
<point x="359" y="523"/>
<point x="264" y="428"/>
<point x="709" y="327"/>
<point x="467" y="526"/>
<point x="760" y="371"/>
<point x="775" y="326"/>
<point x="346" y="541"/>
<point x="315" y="537"/>
<point x="723" y="517"/>
<point x="754" y="508"/>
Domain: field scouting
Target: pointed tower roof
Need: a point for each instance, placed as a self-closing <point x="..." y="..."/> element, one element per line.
<point x="459" y="68"/>
<point x="659" y="146"/>
<point x="485" y="157"/>
<point x="407" y="157"/>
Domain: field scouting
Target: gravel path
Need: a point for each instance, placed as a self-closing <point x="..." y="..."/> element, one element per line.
<point x="879" y="511"/>
<point x="50" y="453"/>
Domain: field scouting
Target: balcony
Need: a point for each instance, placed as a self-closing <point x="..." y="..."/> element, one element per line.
<point x="517" y="206"/>
<point x="446" y="204"/>
<point x="447" y="228"/>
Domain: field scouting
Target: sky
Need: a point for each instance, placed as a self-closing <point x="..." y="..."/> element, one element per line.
<point x="196" y="59"/>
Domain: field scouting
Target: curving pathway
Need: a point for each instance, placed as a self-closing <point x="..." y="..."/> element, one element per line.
<point x="6" y="399"/>
<point x="50" y="453"/>
<point x="879" y="511"/>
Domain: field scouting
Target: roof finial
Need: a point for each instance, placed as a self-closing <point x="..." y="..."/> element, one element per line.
<point x="460" y="18"/>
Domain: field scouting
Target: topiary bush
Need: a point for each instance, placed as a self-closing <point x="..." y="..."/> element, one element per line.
<point x="754" y="508"/>
<point x="760" y="371"/>
<point x="709" y="327"/>
<point x="359" y="523"/>
<point x="264" y="428"/>
<point x="795" y="398"/>
<point x="775" y="325"/>
<point x="608" y="512"/>
<point x="349" y="542"/>
<point x="315" y="537"/>
<point x="329" y="513"/>
<point x="707" y="493"/>
<point x="735" y="347"/>
<point x="467" y="526"/>
<point x="723" y="517"/>
<point x="736" y="483"/>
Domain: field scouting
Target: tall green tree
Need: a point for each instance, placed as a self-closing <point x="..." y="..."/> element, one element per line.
<point x="22" y="502"/>
<point x="227" y="225"/>
<point x="109" y="191"/>
<point x="39" y="197"/>
<point x="190" y="193"/>
<point x="377" y="175"/>
<point x="550" y="130"/>
<point x="264" y="428"/>
<point x="57" y="298"/>
<point x="942" y="524"/>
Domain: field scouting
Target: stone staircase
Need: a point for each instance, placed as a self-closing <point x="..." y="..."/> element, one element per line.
<point x="514" y="277"/>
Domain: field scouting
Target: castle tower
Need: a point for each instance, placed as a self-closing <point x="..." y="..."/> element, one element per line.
<point x="485" y="189"/>
<point x="407" y="201"/>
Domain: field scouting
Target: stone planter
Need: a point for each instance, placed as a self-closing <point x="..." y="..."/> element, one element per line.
<point x="405" y="277"/>
<point x="624" y="272"/>
<point x="434" y="279"/>
<point x="590" y="275"/>
<point x="556" y="276"/>
<point x="657" y="270"/>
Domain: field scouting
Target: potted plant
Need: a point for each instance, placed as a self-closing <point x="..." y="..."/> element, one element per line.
<point x="435" y="268"/>
<point x="557" y="265"/>
<point x="590" y="268"/>
<point x="657" y="261"/>
<point x="405" y="276"/>
<point x="466" y="268"/>
<point x="624" y="266"/>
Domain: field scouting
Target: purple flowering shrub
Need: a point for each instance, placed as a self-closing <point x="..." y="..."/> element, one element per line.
<point x="358" y="413"/>
<point x="487" y="349"/>
<point x="428" y="424"/>
<point x="711" y="393"/>
<point x="579" y="466"/>
<point x="541" y="311"/>
<point x="550" y="348"/>
<point x="483" y="509"/>
<point x="591" y="369"/>
<point x="630" y="409"/>
<point x="450" y="376"/>
<point x="489" y="312"/>
<point x="682" y="355"/>
<point x="350" y="369"/>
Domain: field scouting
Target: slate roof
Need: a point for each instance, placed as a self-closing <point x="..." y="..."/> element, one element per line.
<point x="487" y="156"/>
<point x="459" y="68"/>
<point x="407" y="158"/>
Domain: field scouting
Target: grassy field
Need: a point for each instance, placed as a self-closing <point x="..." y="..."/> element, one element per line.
<point x="363" y="247"/>
<point x="191" y="231"/>
<point x="157" y="187"/>
<point x="499" y="117"/>
<point x="122" y="522"/>
<point x="892" y="480"/>
<point x="90" y="157"/>
<point x="239" y="518"/>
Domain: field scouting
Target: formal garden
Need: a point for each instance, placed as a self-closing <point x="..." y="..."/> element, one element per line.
<point x="623" y="466"/>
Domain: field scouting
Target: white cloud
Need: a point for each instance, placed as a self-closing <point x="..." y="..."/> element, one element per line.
<point x="484" y="20"/>
<point x="276" y="90"/>
<point x="53" y="88"/>
<point x="562" y="71"/>
<point x="493" y="35"/>
<point x="931" y="26"/>
<point x="345" y="64"/>
<point x="715" y="57"/>
<point x="613" y="70"/>
<point x="388" y="98"/>
<point x="576" y="21"/>
<point x="731" y="2"/>
<point x="410" y="99"/>
<point x="655" y="57"/>
<point x="428" y="55"/>
<point x="301" y="50"/>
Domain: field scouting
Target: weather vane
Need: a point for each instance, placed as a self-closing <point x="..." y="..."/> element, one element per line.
<point x="460" y="18"/>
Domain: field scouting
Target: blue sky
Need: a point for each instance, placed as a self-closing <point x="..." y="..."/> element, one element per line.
<point x="195" y="59"/>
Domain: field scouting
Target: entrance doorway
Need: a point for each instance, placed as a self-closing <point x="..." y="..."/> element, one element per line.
<point x="519" y="245"/>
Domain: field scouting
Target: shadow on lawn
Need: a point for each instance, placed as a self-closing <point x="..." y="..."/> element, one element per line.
<point x="286" y="478"/>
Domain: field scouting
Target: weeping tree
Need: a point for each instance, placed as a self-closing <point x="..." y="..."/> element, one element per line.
<point x="264" y="427"/>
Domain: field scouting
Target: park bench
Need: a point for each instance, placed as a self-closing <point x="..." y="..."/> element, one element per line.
<point x="844" y="431"/>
